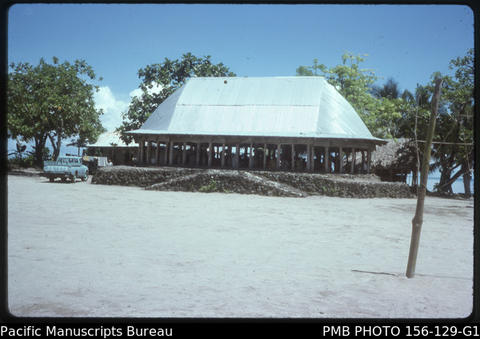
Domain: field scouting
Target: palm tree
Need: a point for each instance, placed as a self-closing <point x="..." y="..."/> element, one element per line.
<point x="389" y="90"/>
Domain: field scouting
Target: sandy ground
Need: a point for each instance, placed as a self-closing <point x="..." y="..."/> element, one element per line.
<point x="92" y="250"/>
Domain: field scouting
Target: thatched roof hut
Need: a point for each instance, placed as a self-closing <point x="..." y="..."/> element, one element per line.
<point x="394" y="160"/>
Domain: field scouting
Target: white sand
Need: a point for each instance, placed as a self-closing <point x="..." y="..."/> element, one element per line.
<point x="93" y="250"/>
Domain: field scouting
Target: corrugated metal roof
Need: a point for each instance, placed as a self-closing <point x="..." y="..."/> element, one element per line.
<point x="273" y="106"/>
<point x="108" y="139"/>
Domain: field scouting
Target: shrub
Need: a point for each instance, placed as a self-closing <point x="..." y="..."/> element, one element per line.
<point x="21" y="162"/>
<point x="211" y="187"/>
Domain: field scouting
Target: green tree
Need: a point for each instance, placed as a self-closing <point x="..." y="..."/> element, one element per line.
<point x="415" y="110"/>
<point x="389" y="90"/>
<point x="51" y="101"/>
<point x="355" y="84"/>
<point x="387" y="114"/>
<point x="454" y="148"/>
<point x="168" y="76"/>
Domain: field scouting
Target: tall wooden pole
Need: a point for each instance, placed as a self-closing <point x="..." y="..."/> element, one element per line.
<point x="417" y="220"/>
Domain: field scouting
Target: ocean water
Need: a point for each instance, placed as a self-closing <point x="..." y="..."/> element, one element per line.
<point x="12" y="147"/>
<point x="434" y="178"/>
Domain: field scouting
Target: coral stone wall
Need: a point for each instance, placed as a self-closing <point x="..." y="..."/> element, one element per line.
<point x="342" y="185"/>
<point x="251" y="182"/>
<point x="137" y="176"/>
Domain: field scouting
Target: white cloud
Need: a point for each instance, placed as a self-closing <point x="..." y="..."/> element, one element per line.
<point x="138" y="92"/>
<point x="112" y="108"/>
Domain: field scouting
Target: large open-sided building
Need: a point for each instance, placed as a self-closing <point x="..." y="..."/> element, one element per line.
<point x="283" y="123"/>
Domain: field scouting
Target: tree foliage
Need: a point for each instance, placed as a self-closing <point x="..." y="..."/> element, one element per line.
<point x="51" y="101"/>
<point x="355" y="85"/>
<point x="168" y="76"/>
<point x="390" y="113"/>
<point x="455" y="126"/>
<point x="389" y="90"/>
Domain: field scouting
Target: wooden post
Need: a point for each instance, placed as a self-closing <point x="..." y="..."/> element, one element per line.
<point x="352" y="169"/>
<point x="417" y="220"/>
<point x="170" y="161"/>
<point x="228" y="154"/>
<point x="327" y="156"/>
<point x="210" y="150"/>
<point x="293" y="157"/>
<point x="157" y="151"/>
<point x="250" y="157"/>
<point x="363" y="161"/>
<point x="144" y="151"/>
<point x="197" y="157"/>
<point x="340" y="160"/>
<point x="309" y="157"/>
<point x="149" y="149"/>
<point x="369" y="160"/>
<point x="140" y="151"/>
<point x="223" y="156"/>
<point x="312" y="168"/>
<point x="165" y="156"/>
<point x="279" y="150"/>
<point x="184" y="153"/>
<point x="265" y="156"/>
<point x="237" y="156"/>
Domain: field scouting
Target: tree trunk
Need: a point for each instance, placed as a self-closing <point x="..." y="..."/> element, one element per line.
<point x="59" y="143"/>
<point x="39" y="148"/>
<point x="445" y="186"/>
<point x="467" y="177"/>
<point x="415" y="178"/>
<point x="452" y="179"/>
<point x="56" y="144"/>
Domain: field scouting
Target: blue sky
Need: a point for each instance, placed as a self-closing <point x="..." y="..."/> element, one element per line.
<point x="406" y="42"/>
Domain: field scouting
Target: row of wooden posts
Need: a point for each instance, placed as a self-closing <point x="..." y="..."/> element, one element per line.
<point x="175" y="153"/>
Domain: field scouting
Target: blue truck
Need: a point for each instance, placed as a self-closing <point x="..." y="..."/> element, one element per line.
<point x="66" y="167"/>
